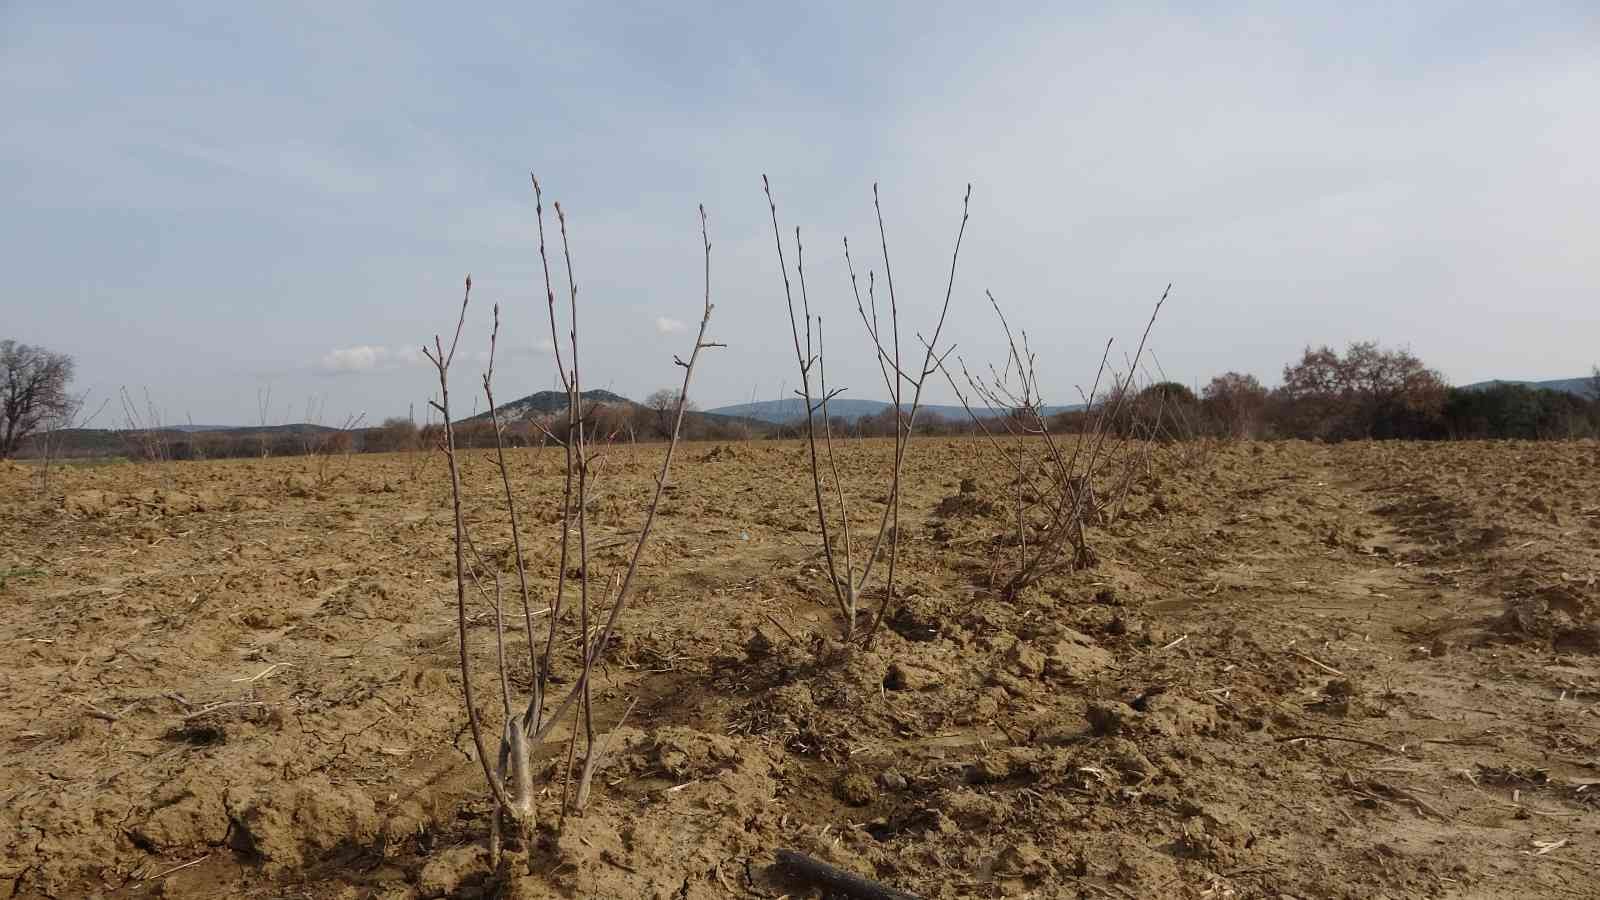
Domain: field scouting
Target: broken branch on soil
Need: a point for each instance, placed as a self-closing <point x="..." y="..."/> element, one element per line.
<point x="1346" y="740"/>
<point x="178" y="868"/>
<point x="815" y="871"/>
<point x="1323" y="666"/>
<point x="787" y="633"/>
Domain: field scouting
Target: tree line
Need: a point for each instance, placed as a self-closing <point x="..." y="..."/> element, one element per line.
<point x="1365" y="392"/>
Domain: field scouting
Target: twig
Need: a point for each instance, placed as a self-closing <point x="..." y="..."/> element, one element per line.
<point x="1348" y="740"/>
<point x="97" y="712"/>
<point x="441" y="362"/>
<point x="1326" y="668"/>
<point x="179" y="867"/>
<point x="251" y="679"/>
<point x="232" y="704"/>
<point x="773" y="619"/>
<point x="805" y="359"/>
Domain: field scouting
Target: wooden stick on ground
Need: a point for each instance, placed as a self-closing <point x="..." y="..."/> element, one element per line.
<point x="1347" y="740"/>
<point x="848" y="883"/>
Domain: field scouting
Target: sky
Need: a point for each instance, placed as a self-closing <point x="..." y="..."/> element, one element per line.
<point x="212" y="203"/>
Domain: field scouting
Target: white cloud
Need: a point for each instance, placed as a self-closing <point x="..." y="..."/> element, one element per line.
<point x="536" y="347"/>
<point x="363" y="358"/>
<point x="665" y="325"/>
<point x="409" y="356"/>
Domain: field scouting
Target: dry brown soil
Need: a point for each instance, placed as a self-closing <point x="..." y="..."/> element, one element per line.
<point x="1358" y="671"/>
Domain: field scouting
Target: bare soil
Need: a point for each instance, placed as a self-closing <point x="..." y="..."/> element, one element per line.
<point x="1367" y="670"/>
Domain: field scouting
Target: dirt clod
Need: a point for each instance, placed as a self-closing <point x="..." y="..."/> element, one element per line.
<point x="446" y="872"/>
<point x="854" y="788"/>
<point x="1109" y="717"/>
<point x="292" y="827"/>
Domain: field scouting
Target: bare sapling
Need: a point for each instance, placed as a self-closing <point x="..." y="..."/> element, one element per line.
<point x="525" y="724"/>
<point x="328" y="450"/>
<point x="66" y="417"/>
<point x="1054" y="498"/>
<point x="263" y="417"/>
<point x="143" y="426"/>
<point x="419" y="450"/>
<point x="1146" y="420"/>
<point x="849" y="586"/>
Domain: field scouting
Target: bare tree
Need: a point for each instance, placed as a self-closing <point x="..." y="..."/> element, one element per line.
<point x="1236" y="401"/>
<point x="397" y="433"/>
<point x="664" y="405"/>
<point x="34" y="391"/>
<point x="1363" y="394"/>
<point x="1594" y="385"/>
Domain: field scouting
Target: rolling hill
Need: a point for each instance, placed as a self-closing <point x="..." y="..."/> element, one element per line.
<point x="544" y="402"/>
<point x="547" y="402"/>
<point x="1578" y="386"/>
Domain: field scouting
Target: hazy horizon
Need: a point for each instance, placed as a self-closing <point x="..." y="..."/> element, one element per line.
<point x="207" y="204"/>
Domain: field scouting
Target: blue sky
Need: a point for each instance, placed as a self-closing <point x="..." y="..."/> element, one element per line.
<point x="206" y="202"/>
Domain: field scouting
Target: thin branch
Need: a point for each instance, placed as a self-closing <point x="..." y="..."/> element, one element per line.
<point x="597" y="647"/>
<point x="916" y="401"/>
<point x="441" y="363"/>
<point x="804" y="358"/>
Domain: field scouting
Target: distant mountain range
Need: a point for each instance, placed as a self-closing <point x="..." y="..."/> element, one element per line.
<point x="1578" y="386"/>
<point x="548" y="402"/>
<point x="762" y="413"/>
<point x="792" y="408"/>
